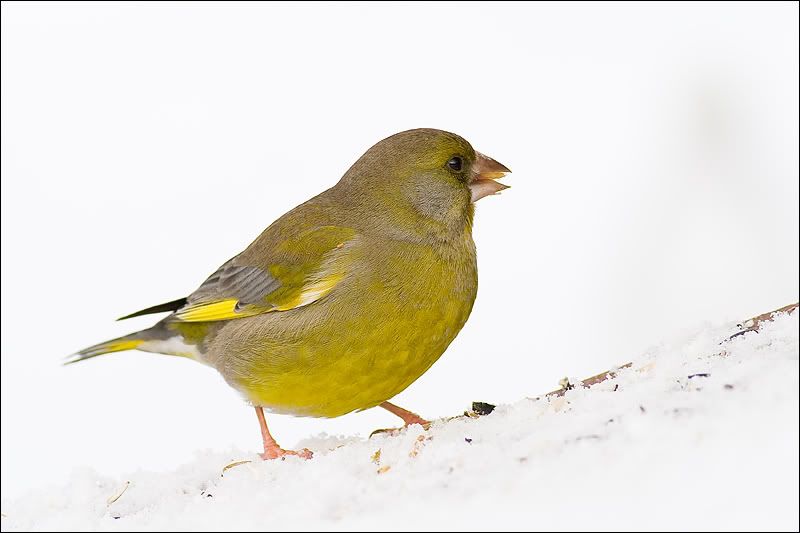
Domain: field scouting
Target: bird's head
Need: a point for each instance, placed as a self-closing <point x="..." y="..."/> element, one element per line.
<point x="423" y="175"/>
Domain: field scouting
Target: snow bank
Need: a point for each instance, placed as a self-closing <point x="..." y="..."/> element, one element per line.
<point x="695" y="435"/>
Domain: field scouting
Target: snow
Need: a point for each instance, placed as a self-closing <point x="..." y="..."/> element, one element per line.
<point x="695" y="434"/>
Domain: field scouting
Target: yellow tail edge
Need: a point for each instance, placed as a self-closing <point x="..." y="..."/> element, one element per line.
<point x="116" y="345"/>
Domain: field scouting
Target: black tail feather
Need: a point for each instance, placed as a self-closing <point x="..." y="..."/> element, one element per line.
<point x="160" y="308"/>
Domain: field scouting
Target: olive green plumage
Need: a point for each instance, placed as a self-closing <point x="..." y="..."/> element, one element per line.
<point x="348" y="298"/>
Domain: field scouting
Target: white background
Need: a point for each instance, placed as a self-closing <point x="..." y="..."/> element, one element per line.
<point x="655" y="186"/>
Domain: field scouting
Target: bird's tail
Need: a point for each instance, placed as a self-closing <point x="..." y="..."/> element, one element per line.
<point x="158" y="339"/>
<point x="128" y="342"/>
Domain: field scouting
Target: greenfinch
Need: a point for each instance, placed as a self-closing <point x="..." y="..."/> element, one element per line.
<point x="348" y="298"/>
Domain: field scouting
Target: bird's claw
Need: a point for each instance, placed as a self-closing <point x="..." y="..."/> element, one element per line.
<point x="393" y="432"/>
<point x="280" y="453"/>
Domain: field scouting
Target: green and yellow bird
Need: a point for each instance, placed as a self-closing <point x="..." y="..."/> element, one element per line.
<point x="348" y="298"/>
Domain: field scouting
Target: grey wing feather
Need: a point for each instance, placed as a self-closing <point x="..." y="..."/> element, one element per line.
<point x="248" y="284"/>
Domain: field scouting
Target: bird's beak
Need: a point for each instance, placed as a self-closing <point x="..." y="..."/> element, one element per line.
<point x="484" y="173"/>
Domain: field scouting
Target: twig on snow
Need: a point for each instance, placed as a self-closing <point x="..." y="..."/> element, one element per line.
<point x="752" y="324"/>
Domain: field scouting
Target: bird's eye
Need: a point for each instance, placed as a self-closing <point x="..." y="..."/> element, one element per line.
<point x="455" y="163"/>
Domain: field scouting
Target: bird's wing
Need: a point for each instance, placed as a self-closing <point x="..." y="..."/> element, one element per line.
<point x="276" y="276"/>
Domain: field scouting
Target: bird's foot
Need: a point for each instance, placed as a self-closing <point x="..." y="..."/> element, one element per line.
<point x="393" y="432"/>
<point x="271" y="448"/>
<point x="408" y="417"/>
<point x="279" y="453"/>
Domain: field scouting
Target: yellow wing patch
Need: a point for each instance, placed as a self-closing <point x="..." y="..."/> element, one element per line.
<point x="207" y="312"/>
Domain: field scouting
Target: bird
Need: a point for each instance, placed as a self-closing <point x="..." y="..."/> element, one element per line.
<point x="348" y="298"/>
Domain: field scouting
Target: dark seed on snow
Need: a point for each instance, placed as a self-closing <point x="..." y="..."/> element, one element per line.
<point x="482" y="408"/>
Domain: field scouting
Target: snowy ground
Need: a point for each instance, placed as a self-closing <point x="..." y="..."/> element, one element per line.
<point x="695" y="435"/>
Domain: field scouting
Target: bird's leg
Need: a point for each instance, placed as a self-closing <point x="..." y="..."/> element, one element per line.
<point x="271" y="448"/>
<point x="408" y="417"/>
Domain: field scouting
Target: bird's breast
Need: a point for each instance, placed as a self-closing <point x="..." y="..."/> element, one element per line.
<point x="391" y="318"/>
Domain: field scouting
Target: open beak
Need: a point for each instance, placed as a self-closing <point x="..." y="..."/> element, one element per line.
<point x="485" y="171"/>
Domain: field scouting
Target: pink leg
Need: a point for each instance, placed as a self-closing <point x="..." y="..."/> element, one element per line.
<point x="271" y="448"/>
<point x="407" y="416"/>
